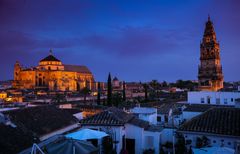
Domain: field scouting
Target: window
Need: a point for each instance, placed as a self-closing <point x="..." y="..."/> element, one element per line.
<point x="202" y="100"/>
<point x="218" y="101"/>
<point x="214" y="141"/>
<point x="208" y="100"/>
<point x="229" y="143"/>
<point x="231" y="99"/>
<point x="165" y="118"/>
<point x="225" y="101"/>
<point x="159" y="119"/>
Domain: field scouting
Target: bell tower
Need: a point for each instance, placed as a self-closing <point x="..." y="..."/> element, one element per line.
<point x="210" y="76"/>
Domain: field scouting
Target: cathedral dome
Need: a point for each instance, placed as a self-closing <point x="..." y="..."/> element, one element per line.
<point x="51" y="63"/>
<point x="50" y="57"/>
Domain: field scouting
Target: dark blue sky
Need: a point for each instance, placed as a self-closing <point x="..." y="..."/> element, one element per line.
<point x="134" y="40"/>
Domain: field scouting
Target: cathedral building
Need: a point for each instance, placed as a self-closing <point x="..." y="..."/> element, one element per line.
<point x="210" y="74"/>
<point x="53" y="75"/>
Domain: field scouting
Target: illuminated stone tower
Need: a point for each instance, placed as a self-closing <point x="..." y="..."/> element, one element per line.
<point x="210" y="74"/>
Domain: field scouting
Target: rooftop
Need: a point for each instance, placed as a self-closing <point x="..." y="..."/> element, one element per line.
<point x="50" y="58"/>
<point x="165" y="108"/>
<point x="75" y="68"/>
<point x="42" y="119"/>
<point x="13" y="140"/>
<point x="222" y="121"/>
<point x="111" y="116"/>
<point x="114" y="117"/>
<point x="200" y="107"/>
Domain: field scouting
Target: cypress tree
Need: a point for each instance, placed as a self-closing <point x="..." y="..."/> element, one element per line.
<point x="99" y="94"/>
<point x="146" y="91"/>
<point x="124" y="91"/>
<point x="109" y="90"/>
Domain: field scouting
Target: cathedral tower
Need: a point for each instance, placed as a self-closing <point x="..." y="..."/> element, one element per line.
<point x="210" y="75"/>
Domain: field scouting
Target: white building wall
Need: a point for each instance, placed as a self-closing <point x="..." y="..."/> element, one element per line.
<point x="118" y="130"/>
<point x="225" y="98"/>
<point x="167" y="135"/>
<point x="156" y="136"/>
<point x="146" y="114"/>
<point x="215" y="140"/>
<point x="133" y="132"/>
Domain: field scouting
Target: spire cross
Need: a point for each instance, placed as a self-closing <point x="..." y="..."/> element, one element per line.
<point x="50" y="52"/>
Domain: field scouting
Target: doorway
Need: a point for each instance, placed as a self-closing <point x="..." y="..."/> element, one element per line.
<point x="130" y="145"/>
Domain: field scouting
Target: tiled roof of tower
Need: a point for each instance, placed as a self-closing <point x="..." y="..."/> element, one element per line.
<point x="209" y="29"/>
<point x="222" y="121"/>
<point x="75" y="68"/>
<point x="50" y="58"/>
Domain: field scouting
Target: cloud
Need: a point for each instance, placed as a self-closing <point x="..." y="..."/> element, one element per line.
<point x="134" y="41"/>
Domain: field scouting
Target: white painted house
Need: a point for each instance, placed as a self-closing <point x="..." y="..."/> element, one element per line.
<point x="127" y="131"/>
<point x="166" y="111"/>
<point x="146" y="113"/>
<point x="219" y="125"/>
<point x="212" y="97"/>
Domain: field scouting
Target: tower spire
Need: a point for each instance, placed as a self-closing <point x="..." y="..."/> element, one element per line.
<point x="210" y="74"/>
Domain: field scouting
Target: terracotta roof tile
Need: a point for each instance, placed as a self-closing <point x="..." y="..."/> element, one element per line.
<point x="224" y="121"/>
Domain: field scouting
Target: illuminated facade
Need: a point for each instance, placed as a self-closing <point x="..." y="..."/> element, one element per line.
<point x="52" y="74"/>
<point x="210" y="74"/>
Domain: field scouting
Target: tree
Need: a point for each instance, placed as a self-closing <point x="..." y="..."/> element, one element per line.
<point x="124" y="91"/>
<point x="161" y="150"/>
<point x="85" y="91"/>
<point x="164" y="84"/>
<point x="199" y="143"/>
<point x="99" y="94"/>
<point x="180" y="145"/>
<point x="146" y="91"/>
<point x="58" y="99"/>
<point x="206" y="141"/>
<point x="109" y="90"/>
<point x="116" y="99"/>
<point x="202" y="142"/>
<point x="154" y="84"/>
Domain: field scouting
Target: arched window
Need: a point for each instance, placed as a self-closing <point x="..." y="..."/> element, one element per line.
<point x="40" y="83"/>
